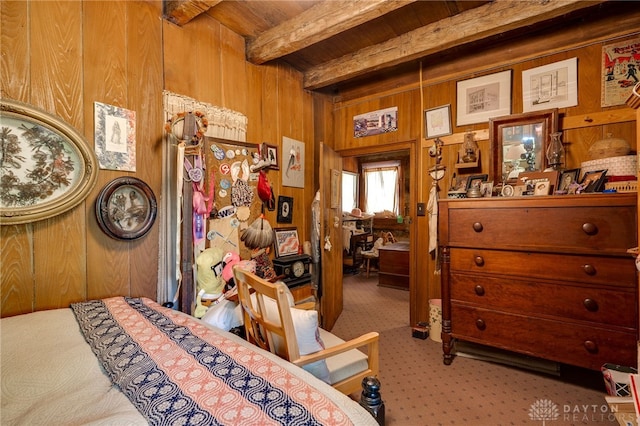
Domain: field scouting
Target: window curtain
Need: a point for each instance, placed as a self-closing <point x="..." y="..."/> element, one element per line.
<point x="381" y="186"/>
<point x="223" y="123"/>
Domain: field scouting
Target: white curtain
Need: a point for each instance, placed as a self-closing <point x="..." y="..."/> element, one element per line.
<point x="223" y="123"/>
<point x="381" y="187"/>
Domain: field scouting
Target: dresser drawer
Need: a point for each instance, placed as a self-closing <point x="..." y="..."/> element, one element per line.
<point x="611" y="271"/>
<point x="584" y="346"/>
<point x="602" y="229"/>
<point x="606" y="306"/>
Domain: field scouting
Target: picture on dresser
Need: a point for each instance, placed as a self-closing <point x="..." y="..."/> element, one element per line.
<point x="593" y="181"/>
<point x="476" y="181"/>
<point x="567" y="178"/>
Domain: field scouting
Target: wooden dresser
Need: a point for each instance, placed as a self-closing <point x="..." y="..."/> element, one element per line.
<point x="393" y="263"/>
<point x="544" y="276"/>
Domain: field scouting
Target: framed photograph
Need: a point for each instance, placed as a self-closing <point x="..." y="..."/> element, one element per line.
<point x="285" y="209"/>
<point x="437" y="121"/>
<point x="541" y="187"/>
<point x="550" y="86"/>
<point x="126" y="208"/>
<point x="567" y="178"/>
<point x="115" y="137"/>
<point x="486" y="188"/>
<point x="269" y="153"/>
<point x="481" y="98"/>
<point x="48" y="167"/>
<point x="286" y="241"/>
<point x="476" y="181"/>
<point x="593" y="181"/>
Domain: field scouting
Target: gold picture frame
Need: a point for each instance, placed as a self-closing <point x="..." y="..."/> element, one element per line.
<point x="49" y="168"/>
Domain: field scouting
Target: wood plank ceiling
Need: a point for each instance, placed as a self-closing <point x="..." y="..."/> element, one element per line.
<point x="338" y="42"/>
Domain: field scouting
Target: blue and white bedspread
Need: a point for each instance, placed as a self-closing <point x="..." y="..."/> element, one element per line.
<point x="162" y="367"/>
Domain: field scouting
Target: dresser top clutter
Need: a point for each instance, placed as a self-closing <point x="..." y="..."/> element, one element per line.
<point x="503" y="257"/>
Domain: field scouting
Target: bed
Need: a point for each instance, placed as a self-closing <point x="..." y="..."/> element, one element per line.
<point x="123" y="360"/>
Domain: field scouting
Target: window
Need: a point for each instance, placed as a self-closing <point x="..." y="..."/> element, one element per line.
<point x="349" y="191"/>
<point x="381" y="186"/>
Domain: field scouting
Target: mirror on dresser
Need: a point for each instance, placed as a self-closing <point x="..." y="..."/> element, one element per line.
<point x="518" y="143"/>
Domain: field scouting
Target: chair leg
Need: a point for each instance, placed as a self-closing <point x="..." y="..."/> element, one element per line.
<point x="368" y="265"/>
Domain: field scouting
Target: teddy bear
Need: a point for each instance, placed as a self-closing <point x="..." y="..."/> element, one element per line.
<point x="210" y="284"/>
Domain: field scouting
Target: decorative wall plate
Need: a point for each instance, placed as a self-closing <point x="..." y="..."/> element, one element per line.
<point x="126" y="208"/>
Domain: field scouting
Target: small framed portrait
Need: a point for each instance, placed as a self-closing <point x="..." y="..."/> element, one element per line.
<point x="593" y="181"/>
<point x="286" y="242"/>
<point x="437" y="121"/>
<point x="476" y="181"/>
<point x="567" y="178"/>
<point x="269" y="153"/>
<point x="486" y="188"/>
<point x="541" y="187"/>
<point x="285" y="209"/>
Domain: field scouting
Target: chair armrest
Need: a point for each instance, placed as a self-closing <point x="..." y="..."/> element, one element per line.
<point x="369" y="339"/>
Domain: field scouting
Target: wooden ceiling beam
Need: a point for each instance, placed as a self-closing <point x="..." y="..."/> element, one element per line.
<point x="472" y="25"/>
<point x="181" y="12"/>
<point x="315" y="24"/>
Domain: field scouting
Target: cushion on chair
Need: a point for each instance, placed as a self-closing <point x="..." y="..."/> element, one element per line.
<point x="343" y="365"/>
<point x="305" y="324"/>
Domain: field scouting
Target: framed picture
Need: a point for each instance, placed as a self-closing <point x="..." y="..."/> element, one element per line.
<point x="481" y="98"/>
<point x="115" y="137"/>
<point x="293" y="163"/>
<point x="550" y="86"/>
<point x="486" y="188"/>
<point x="285" y="209"/>
<point x="126" y="208"/>
<point x="567" y="178"/>
<point x="48" y="166"/>
<point x="437" y="121"/>
<point x="593" y="181"/>
<point x="286" y="241"/>
<point x="269" y="153"/>
<point x="476" y="181"/>
<point x="541" y="187"/>
<point x="619" y="73"/>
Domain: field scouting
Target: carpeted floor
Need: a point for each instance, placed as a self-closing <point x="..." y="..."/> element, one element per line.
<point x="418" y="389"/>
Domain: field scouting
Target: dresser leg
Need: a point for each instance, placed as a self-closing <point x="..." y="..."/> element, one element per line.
<point x="447" y="342"/>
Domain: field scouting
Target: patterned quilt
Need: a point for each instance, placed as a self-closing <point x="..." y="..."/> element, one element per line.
<point x="175" y="370"/>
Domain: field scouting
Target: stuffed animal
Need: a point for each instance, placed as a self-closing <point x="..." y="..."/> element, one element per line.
<point x="209" y="278"/>
<point x="231" y="259"/>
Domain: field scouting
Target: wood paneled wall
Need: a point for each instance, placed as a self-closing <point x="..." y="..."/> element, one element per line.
<point x="434" y="85"/>
<point x="62" y="57"/>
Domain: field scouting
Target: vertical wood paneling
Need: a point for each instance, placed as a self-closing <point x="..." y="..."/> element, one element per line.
<point x="16" y="242"/>
<point x="61" y="57"/>
<point x="56" y="86"/>
<point x="144" y="83"/>
<point x="106" y="69"/>
<point x="232" y="67"/>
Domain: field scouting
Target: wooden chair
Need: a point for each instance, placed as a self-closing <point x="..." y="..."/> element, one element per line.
<point x="271" y="326"/>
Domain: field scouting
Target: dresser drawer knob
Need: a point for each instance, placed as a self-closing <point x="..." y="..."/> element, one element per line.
<point x="478" y="227"/>
<point x="589" y="269"/>
<point x="479" y="260"/>
<point x="481" y="324"/>
<point x="479" y="290"/>
<point x="589" y="228"/>
<point x="591" y="346"/>
<point x="591" y="305"/>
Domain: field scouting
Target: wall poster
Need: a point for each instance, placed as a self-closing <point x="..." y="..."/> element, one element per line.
<point x="620" y="71"/>
<point x="375" y="122"/>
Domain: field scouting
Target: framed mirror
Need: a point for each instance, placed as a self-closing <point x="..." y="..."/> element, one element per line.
<point x="519" y="142"/>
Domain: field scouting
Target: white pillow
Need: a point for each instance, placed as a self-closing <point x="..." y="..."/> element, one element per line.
<point x="223" y="315"/>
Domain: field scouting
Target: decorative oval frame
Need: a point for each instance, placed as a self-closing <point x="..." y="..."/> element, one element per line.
<point x="126" y="208"/>
<point x="56" y="172"/>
